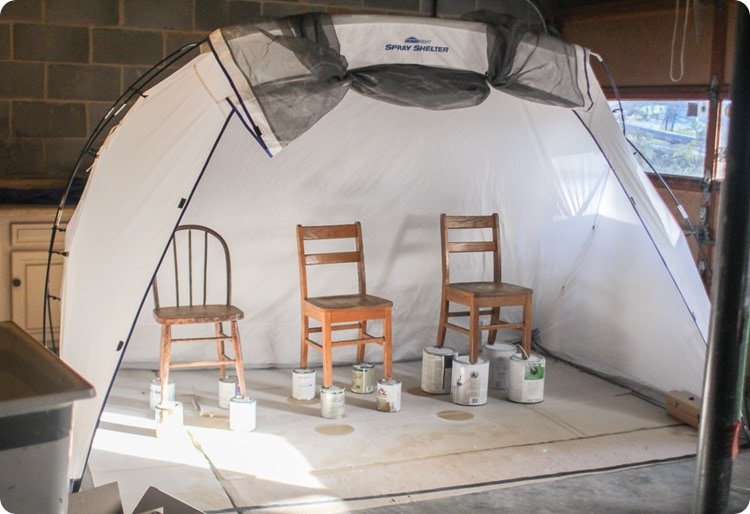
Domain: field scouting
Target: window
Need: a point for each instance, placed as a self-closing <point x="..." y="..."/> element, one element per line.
<point x="670" y="134"/>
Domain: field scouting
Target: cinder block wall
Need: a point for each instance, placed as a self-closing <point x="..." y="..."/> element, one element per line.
<point x="64" y="62"/>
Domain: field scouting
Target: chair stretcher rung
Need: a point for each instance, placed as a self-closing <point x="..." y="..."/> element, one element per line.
<point x="348" y="326"/>
<point x="200" y="339"/>
<point x="498" y="326"/>
<point x="178" y="365"/>
<point x="348" y="342"/>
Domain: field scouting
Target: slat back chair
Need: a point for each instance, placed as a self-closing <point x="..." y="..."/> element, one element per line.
<point x="483" y="297"/>
<point x="349" y="311"/>
<point x="196" y="288"/>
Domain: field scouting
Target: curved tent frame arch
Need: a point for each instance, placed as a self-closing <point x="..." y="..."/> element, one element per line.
<point x="217" y="90"/>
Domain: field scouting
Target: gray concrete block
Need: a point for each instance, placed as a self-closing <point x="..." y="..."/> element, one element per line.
<point x="22" y="158"/>
<point x="242" y="11"/>
<point x="83" y="12"/>
<point x="83" y="82"/>
<point x="25" y="10"/>
<point x="211" y="14"/>
<point x="47" y="119"/>
<point x="164" y="14"/>
<point x="52" y="43"/>
<point x="410" y="6"/>
<point x="276" y="9"/>
<point x="4" y="41"/>
<point x="122" y="46"/>
<point x="62" y="155"/>
<point x="21" y="80"/>
<point x="4" y="119"/>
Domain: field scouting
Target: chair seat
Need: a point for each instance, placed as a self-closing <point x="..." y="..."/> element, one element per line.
<point x="197" y="314"/>
<point x="349" y="301"/>
<point x="490" y="288"/>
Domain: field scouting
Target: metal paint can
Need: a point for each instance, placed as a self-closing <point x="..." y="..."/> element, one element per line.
<point x="229" y="387"/>
<point x="168" y="418"/>
<point x="498" y="354"/>
<point x="526" y="378"/>
<point x="469" y="381"/>
<point x="389" y="395"/>
<point x="363" y="378"/>
<point x="332" y="402"/>
<point x="154" y="393"/>
<point x="437" y="363"/>
<point x="242" y="414"/>
<point x="303" y="384"/>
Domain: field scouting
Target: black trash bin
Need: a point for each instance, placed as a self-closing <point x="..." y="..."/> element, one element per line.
<point x="37" y="391"/>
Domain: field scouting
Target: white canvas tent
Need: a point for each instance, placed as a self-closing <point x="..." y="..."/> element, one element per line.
<point x="615" y="288"/>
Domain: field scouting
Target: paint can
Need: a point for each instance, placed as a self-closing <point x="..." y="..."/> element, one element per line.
<point x="154" y="393"/>
<point x="437" y="363"/>
<point x="469" y="381"/>
<point x="332" y="402"/>
<point x="168" y="418"/>
<point x="389" y="395"/>
<point x="363" y="378"/>
<point x="526" y="378"/>
<point x="498" y="354"/>
<point x="229" y="387"/>
<point x="303" y="384"/>
<point x="242" y="414"/>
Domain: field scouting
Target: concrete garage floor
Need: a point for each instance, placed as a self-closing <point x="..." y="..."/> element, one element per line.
<point x="582" y="449"/>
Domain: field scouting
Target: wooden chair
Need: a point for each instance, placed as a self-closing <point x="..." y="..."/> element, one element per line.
<point x="341" y="311"/>
<point x="200" y="290"/>
<point x="481" y="298"/>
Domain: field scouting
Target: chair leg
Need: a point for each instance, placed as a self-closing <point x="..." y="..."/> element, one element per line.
<point x="387" y="346"/>
<point x="221" y="349"/>
<point x="361" y="346"/>
<point x="327" y="354"/>
<point x="304" y="335"/>
<point x="494" y="320"/>
<point x="239" y="364"/>
<point x="164" y="354"/>
<point x="474" y="334"/>
<point x="527" y="326"/>
<point x="443" y="323"/>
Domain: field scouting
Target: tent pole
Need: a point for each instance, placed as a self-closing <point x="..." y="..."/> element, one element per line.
<point x="725" y="364"/>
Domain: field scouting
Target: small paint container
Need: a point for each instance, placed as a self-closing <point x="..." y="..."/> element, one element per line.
<point x="526" y="378"/>
<point x="469" y="381"/>
<point x="168" y="418"/>
<point x="229" y="387"/>
<point x="499" y="354"/>
<point x="332" y="402"/>
<point x="154" y="393"/>
<point x="436" y="369"/>
<point x="242" y="412"/>
<point x="389" y="395"/>
<point x="303" y="384"/>
<point x="363" y="378"/>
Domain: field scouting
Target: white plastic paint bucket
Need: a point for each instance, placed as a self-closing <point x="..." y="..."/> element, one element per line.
<point x="228" y="389"/>
<point x="469" y="381"/>
<point x="498" y="355"/>
<point x="332" y="402"/>
<point x="168" y="418"/>
<point x="363" y="378"/>
<point x="303" y="384"/>
<point x="154" y="393"/>
<point x="389" y="395"/>
<point x="437" y="363"/>
<point x="242" y="414"/>
<point x="526" y="378"/>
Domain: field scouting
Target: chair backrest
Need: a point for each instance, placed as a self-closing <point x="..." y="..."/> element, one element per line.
<point x="463" y="234"/>
<point x="196" y="269"/>
<point x="336" y="248"/>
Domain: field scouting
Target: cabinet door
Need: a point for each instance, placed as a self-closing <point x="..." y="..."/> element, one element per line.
<point x="28" y="271"/>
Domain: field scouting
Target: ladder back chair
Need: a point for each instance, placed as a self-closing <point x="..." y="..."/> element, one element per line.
<point x="483" y="298"/>
<point x="342" y="311"/>
<point x="196" y="277"/>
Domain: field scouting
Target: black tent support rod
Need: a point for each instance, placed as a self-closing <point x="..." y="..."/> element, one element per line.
<point x="727" y="349"/>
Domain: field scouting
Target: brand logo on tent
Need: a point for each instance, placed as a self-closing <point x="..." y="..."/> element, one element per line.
<point x="414" y="44"/>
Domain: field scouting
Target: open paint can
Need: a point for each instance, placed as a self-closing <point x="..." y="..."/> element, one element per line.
<point x="526" y="378"/>
<point x="363" y="378"/>
<point x="303" y="384"/>
<point x="242" y="414"/>
<point x="389" y="395"/>
<point x="437" y="363"/>
<point x="168" y="418"/>
<point x="332" y="402"/>
<point x="469" y="381"/>
<point x="228" y="389"/>
<point x="154" y="393"/>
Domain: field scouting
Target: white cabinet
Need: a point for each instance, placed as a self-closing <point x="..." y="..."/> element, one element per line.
<point x="24" y="253"/>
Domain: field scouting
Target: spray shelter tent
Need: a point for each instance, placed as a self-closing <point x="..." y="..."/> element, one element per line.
<point x="389" y="121"/>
